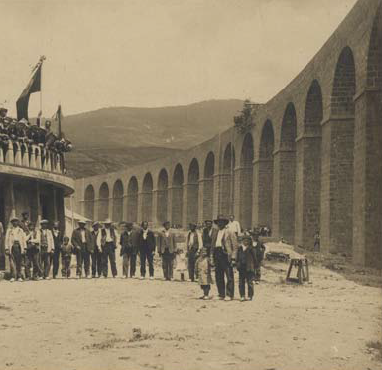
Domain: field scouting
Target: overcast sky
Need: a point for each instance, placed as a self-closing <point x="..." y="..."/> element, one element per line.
<point x="159" y="52"/>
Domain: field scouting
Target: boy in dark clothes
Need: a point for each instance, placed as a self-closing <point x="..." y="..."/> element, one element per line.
<point x="246" y="261"/>
<point x="260" y="251"/>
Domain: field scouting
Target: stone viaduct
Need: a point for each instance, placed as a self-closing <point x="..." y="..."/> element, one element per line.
<point x="312" y="160"/>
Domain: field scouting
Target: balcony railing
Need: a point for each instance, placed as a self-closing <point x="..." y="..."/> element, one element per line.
<point x="33" y="156"/>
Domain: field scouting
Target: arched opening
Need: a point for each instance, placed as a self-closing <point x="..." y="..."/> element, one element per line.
<point x="177" y="196"/>
<point x="118" y="201"/>
<point x="308" y="180"/>
<point x="147" y="198"/>
<point x="337" y="160"/>
<point x="89" y="202"/>
<point x="228" y="181"/>
<point x="162" y="196"/>
<point x="285" y="177"/>
<point x="208" y="186"/>
<point x="132" y="200"/>
<point x="103" y="202"/>
<point x="367" y="192"/>
<point x="192" y="190"/>
<point x="264" y="176"/>
<point x="245" y="174"/>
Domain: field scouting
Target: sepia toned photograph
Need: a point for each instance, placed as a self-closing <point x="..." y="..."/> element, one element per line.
<point x="191" y="184"/>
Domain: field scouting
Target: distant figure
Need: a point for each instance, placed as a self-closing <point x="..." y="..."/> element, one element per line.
<point x="66" y="257"/>
<point x="24" y="222"/>
<point x="193" y="246"/>
<point x="146" y="244"/>
<point x="316" y="247"/>
<point x="234" y="226"/>
<point x="167" y="249"/>
<point x="260" y="251"/>
<point x="15" y="245"/>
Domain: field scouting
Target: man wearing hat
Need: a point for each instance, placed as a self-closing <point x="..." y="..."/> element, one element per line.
<point x="82" y="242"/>
<point x="223" y="248"/>
<point x="146" y="245"/>
<point x="15" y="245"/>
<point x="32" y="254"/>
<point x="207" y="235"/>
<point x="108" y="239"/>
<point x="24" y="222"/>
<point x="57" y="239"/>
<point x="96" y="256"/>
<point x="127" y="249"/>
<point x="167" y="249"/>
<point x="45" y="238"/>
<point x="193" y="244"/>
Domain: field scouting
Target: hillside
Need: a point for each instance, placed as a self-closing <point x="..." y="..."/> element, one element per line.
<point x="110" y="138"/>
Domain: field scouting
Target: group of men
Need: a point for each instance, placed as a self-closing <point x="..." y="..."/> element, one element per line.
<point x="220" y="244"/>
<point x="25" y="132"/>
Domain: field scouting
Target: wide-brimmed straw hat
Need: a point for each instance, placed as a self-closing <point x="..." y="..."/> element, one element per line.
<point x="221" y="219"/>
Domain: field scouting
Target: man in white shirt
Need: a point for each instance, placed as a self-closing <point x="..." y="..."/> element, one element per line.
<point x="234" y="226"/>
<point x="108" y="239"/>
<point x="15" y="245"/>
<point x="45" y="237"/>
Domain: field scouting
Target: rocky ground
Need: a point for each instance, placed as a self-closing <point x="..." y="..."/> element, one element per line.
<point x="332" y="323"/>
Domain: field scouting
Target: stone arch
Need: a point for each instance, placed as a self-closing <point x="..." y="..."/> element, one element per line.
<point x="308" y="180"/>
<point x="132" y="200"/>
<point x="192" y="193"/>
<point x="162" y="196"/>
<point x="147" y="197"/>
<point x="285" y="177"/>
<point x="103" y="202"/>
<point x="118" y="201"/>
<point x="367" y="190"/>
<point x="244" y="176"/>
<point x="177" y="196"/>
<point x="337" y="160"/>
<point x="89" y="198"/>
<point x="264" y="177"/>
<point x="227" y="181"/>
<point x="207" y="185"/>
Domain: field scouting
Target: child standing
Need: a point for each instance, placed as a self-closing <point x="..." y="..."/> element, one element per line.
<point x="66" y="256"/>
<point x="203" y="272"/>
<point x="246" y="263"/>
<point x="180" y="263"/>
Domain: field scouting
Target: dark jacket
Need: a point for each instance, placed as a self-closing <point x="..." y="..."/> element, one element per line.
<point x="149" y="243"/>
<point x="207" y="238"/>
<point x="228" y="241"/>
<point x="166" y="242"/>
<point x="260" y="251"/>
<point x="246" y="260"/>
<point x="57" y="241"/>
<point x="128" y="243"/>
<point x="76" y="240"/>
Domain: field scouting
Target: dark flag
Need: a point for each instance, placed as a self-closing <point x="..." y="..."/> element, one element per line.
<point x="33" y="86"/>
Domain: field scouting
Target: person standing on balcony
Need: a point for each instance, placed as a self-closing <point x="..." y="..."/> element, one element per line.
<point x="45" y="238"/>
<point x="82" y="242"/>
<point x="167" y="249"/>
<point x="146" y="245"/>
<point x="108" y="239"/>
<point x="58" y="239"/>
<point x="15" y="245"/>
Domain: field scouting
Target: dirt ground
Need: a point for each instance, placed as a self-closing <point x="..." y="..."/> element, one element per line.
<point x="332" y="323"/>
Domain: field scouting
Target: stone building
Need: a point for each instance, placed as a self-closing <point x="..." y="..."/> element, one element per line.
<point x="31" y="179"/>
<point x="312" y="161"/>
